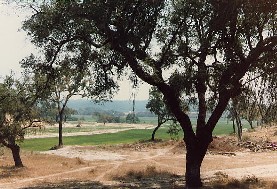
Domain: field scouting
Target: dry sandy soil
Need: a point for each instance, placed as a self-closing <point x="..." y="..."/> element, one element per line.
<point x="125" y="166"/>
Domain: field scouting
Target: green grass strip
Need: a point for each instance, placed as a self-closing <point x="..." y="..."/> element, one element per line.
<point x="123" y="137"/>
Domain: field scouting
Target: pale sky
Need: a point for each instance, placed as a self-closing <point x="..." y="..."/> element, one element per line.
<point x="14" y="46"/>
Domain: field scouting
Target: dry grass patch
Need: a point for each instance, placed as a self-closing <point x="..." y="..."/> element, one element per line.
<point x="224" y="144"/>
<point x="148" y="172"/>
<point x="149" y="177"/>
<point x="222" y="181"/>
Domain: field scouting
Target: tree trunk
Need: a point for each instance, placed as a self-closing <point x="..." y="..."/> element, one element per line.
<point x="251" y="124"/>
<point x="193" y="179"/>
<point x="60" y="133"/>
<point x="154" y="132"/>
<point x="196" y="150"/>
<point x="234" y="126"/>
<point x="16" y="155"/>
<point x="239" y="127"/>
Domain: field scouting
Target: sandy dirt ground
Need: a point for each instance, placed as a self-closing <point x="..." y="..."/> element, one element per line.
<point x="109" y="165"/>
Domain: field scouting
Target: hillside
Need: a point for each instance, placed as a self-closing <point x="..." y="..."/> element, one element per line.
<point x="83" y="105"/>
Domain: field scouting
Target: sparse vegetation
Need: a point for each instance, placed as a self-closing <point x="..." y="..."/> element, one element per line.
<point x="222" y="181"/>
<point x="140" y="171"/>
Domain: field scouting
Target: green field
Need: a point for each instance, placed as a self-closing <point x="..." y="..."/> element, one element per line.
<point x="72" y="129"/>
<point x="130" y="136"/>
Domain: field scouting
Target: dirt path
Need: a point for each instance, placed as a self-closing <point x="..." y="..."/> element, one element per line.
<point x="108" y="163"/>
<point x="25" y="182"/>
<point x="105" y="164"/>
<point x="114" y="162"/>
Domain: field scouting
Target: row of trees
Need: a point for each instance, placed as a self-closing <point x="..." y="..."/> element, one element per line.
<point x="257" y="104"/>
<point x="105" y="117"/>
<point x="188" y="49"/>
<point x="256" y="107"/>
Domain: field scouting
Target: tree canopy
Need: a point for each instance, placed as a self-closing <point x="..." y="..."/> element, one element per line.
<point x="18" y="112"/>
<point x="193" y="49"/>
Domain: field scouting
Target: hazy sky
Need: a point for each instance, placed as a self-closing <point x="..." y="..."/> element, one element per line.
<point x="14" y="46"/>
<point x="13" y="43"/>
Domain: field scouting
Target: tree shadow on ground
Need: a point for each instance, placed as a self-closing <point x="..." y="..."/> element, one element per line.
<point x="151" y="179"/>
<point x="72" y="184"/>
<point x="150" y="183"/>
<point x="145" y="183"/>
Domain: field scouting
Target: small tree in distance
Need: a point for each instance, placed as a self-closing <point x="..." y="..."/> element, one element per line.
<point x="132" y="118"/>
<point x="157" y="106"/>
<point x="66" y="76"/>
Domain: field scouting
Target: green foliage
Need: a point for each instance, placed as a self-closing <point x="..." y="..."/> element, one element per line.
<point x="17" y="109"/>
<point x="105" y="117"/>
<point x="173" y="131"/>
<point x="47" y="111"/>
<point x="203" y="46"/>
<point x="187" y="49"/>
<point x="157" y="106"/>
<point x="132" y="118"/>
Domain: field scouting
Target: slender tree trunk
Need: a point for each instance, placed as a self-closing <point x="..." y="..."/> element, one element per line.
<point x="60" y="132"/>
<point x="238" y="120"/>
<point x="16" y="155"/>
<point x="154" y="131"/>
<point x="251" y="124"/>
<point x="239" y="127"/>
<point x="160" y="122"/>
<point x="234" y="126"/>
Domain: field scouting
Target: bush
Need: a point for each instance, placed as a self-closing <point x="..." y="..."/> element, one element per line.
<point x="132" y="118"/>
<point x="173" y="131"/>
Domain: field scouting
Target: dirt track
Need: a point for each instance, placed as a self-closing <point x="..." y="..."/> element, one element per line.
<point x="103" y="165"/>
<point x="108" y="163"/>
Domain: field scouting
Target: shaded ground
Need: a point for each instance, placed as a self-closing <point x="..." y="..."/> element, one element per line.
<point x="141" y="165"/>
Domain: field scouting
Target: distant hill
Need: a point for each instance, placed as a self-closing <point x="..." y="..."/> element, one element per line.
<point x="118" y="105"/>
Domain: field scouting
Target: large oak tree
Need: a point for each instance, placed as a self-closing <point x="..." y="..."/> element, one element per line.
<point x="185" y="48"/>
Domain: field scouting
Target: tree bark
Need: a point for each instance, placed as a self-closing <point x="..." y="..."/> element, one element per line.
<point x="15" y="151"/>
<point x="193" y="164"/>
<point x="154" y="132"/>
<point x="196" y="150"/>
<point x="239" y="127"/>
<point x="60" y="132"/>
<point x="16" y="155"/>
<point x="234" y="126"/>
<point x="251" y="124"/>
